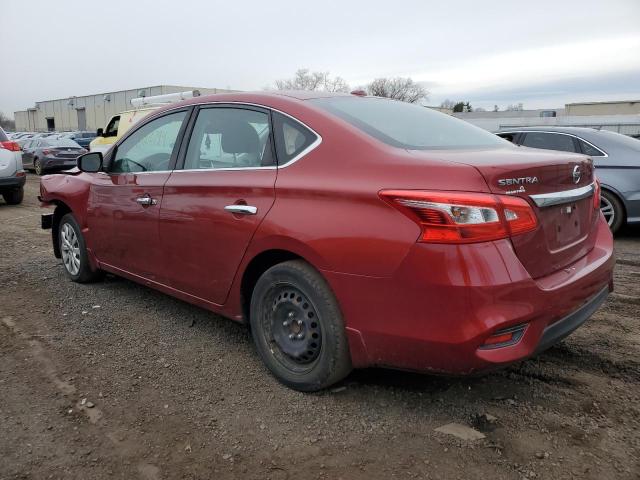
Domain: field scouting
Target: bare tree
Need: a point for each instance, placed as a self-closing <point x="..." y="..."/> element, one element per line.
<point x="6" y="122"/>
<point x="515" y="107"/>
<point x="304" y="79"/>
<point x="449" y="104"/>
<point x="404" y="89"/>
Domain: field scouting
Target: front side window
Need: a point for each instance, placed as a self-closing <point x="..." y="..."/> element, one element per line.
<point x="149" y="148"/>
<point x="406" y="125"/>
<point x="549" y="141"/>
<point x="112" y="128"/>
<point x="229" y="138"/>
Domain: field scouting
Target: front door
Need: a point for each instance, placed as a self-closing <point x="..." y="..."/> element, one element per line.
<point x="124" y="202"/>
<point x="214" y="204"/>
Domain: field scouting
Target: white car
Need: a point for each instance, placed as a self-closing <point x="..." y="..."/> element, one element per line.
<point x="12" y="175"/>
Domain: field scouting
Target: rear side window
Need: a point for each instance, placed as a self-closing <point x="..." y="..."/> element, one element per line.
<point x="3" y="136"/>
<point x="549" y="141"/>
<point x="407" y="125"/>
<point x="292" y="138"/>
<point x="590" y="149"/>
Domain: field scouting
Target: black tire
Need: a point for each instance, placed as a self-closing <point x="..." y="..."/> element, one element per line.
<point x="84" y="273"/>
<point x="612" y="208"/>
<point x="37" y="167"/>
<point x="14" y="197"/>
<point x="294" y="291"/>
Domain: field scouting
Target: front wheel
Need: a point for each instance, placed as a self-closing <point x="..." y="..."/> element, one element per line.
<point x="612" y="209"/>
<point x="14" y="197"/>
<point x="74" y="251"/>
<point x="297" y="327"/>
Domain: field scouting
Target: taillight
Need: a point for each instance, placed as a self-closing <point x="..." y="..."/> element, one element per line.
<point x="596" y="195"/>
<point x="461" y="217"/>
<point x="13" y="146"/>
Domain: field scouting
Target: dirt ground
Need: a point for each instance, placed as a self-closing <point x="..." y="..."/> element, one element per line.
<point x="114" y="380"/>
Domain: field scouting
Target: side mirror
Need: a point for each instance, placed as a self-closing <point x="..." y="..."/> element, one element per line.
<point x="90" y="162"/>
<point x="99" y="132"/>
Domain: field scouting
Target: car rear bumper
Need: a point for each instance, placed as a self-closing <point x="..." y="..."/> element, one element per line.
<point x="445" y="301"/>
<point x="12" y="182"/>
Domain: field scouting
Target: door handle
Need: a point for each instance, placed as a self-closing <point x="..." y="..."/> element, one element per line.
<point x="242" y="209"/>
<point x="146" y="200"/>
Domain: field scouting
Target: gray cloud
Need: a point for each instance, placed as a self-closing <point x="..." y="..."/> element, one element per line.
<point x="60" y="49"/>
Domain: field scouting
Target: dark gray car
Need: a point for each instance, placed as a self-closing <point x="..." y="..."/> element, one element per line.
<point x="44" y="155"/>
<point x="616" y="158"/>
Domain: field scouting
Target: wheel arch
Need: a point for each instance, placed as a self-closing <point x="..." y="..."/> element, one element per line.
<point x="60" y="211"/>
<point x="618" y="195"/>
<point x="259" y="264"/>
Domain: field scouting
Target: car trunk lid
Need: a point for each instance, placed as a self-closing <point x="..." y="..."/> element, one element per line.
<point x="66" y="152"/>
<point x="559" y="187"/>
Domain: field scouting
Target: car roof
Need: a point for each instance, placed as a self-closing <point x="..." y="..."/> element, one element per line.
<point x="603" y="139"/>
<point x="549" y="128"/>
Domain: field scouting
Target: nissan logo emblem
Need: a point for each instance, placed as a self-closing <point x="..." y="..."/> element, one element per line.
<point x="577" y="174"/>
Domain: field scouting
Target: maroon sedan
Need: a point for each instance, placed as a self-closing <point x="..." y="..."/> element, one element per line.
<point x="346" y="231"/>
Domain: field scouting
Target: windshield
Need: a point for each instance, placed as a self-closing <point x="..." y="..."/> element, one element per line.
<point x="407" y="125"/>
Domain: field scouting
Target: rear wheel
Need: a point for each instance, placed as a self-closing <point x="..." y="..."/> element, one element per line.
<point x="298" y="328"/>
<point x="37" y="166"/>
<point x="14" y="197"/>
<point x="612" y="209"/>
<point x="74" y="251"/>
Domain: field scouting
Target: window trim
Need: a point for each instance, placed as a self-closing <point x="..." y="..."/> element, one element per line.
<point x="522" y="132"/>
<point x="191" y="121"/>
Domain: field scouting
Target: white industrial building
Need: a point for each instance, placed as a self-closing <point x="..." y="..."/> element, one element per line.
<point x="621" y="117"/>
<point x="89" y="112"/>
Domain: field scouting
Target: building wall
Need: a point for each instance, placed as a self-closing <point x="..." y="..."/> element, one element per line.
<point x="625" y="124"/>
<point x="98" y="108"/>
<point x="604" y="108"/>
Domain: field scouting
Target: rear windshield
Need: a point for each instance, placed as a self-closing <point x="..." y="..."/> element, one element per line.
<point x="60" y="142"/>
<point x="3" y="136"/>
<point x="407" y="125"/>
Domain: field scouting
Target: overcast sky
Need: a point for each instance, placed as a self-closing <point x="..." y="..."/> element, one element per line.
<point x="541" y="53"/>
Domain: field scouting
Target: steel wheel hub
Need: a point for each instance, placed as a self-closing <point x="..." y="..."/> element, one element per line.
<point x="294" y="326"/>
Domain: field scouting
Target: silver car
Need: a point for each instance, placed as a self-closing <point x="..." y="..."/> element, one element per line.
<point x="616" y="158"/>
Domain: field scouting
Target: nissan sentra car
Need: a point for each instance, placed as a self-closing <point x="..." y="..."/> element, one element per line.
<point x="346" y="231"/>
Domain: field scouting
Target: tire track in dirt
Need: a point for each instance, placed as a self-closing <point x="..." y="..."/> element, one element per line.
<point x="147" y="471"/>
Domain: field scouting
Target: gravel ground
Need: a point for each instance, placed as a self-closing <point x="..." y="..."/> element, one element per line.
<point x="114" y="380"/>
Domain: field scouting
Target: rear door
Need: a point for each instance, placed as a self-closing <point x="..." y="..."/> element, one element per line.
<point x="124" y="204"/>
<point x="27" y="153"/>
<point x="214" y="203"/>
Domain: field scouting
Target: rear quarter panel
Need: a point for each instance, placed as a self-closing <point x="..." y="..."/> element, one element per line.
<point x="624" y="181"/>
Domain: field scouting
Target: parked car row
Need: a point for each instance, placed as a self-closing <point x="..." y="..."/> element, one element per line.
<point x="83" y="138"/>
